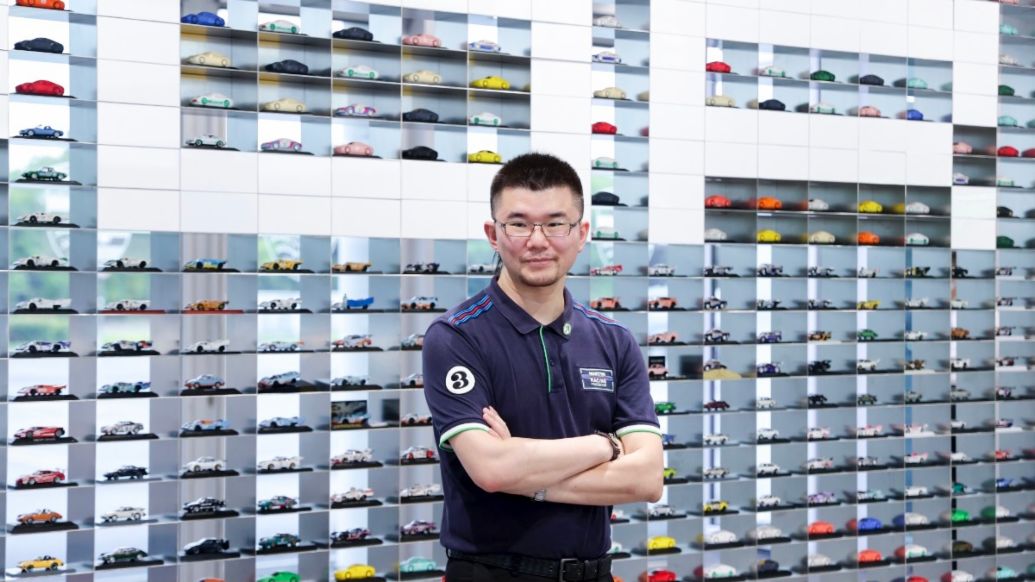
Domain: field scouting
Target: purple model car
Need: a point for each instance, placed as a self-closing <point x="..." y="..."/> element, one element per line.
<point x="356" y="110"/>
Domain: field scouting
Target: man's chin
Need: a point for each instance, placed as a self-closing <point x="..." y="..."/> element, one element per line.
<point x="543" y="276"/>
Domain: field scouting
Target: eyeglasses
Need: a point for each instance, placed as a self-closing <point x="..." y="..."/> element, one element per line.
<point x="518" y="229"/>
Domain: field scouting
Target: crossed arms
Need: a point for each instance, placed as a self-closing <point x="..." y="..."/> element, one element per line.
<point x="575" y="470"/>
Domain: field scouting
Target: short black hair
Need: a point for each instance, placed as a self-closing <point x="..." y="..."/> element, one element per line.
<point x="536" y="171"/>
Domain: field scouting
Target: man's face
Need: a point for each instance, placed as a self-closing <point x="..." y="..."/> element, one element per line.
<point x="537" y="260"/>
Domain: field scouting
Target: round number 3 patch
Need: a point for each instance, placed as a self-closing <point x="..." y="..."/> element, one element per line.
<point x="459" y="380"/>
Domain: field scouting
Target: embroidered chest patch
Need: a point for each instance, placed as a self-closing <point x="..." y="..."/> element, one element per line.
<point x="597" y="379"/>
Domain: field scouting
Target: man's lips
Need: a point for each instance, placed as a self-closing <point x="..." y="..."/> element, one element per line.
<point x="539" y="260"/>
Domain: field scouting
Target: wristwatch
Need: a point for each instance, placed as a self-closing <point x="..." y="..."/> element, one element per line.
<point x="616" y="447"/>
<point x="539" y="495"/>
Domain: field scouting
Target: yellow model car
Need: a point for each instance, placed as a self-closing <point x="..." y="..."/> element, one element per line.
<point x="869" y="304"/>
<point x="281" y="265"/>
<point x="768" y="236"/>
<point x="870" y="207"/>
<point x="491" y="82"/>
<point x="669" y="472"/>
<point x="40" y="563"/>
<point x="351" y="267"/>
<point x="484" y="157"/>
<point x="354" y="572"/>
<point x="660" y="543"/>
<point x="284" y="104"/>
<point x="715" y="506"/>
<point x="207" y="305"/>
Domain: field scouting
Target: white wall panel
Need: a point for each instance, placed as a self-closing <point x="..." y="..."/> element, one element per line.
<point x="4" y="111"/>
<point x="569" y="11"/>
<point x="674" y="51"/>
<point x="842" y="8"/>
<point x="883" y="134"/>
<point x="221" y="212"/>
<point x="731" y="125"/>
<point x="834" y="165"/>
<point x="477" y="214"/>
<point x="677" y="17"/>
<point x="676" y="226"/>
<point x="884" y="38"/>
<point x="975" y="47"/>
<point x="297" y="175"/>
<point x="930" y="43"/>
<point x="928" y="138"/>
<point x="929" y="169"/>
<point x="980" y="17"/>
<point x="876" y="167"/>
<point x="561" y="41"/>
<point x="676" y="156"/>
<point x="138" y="40"/>
<point x="3" y="32"/>
<point x="563" y="114"/>
<point x="732" y="23"/>
<point x="680" y="87"/>
<point x="833" y="131"/>
<point x="931" y="13"/>
<point x="969" y="233"/>
<point x="365" y="178"/>
<point x="974" y="109"/>
<point x="562" y="78"/>
<point x="520" y="9"/>
<point x="434" y="219"/>
<point x="780" y="128"/>
<point x="479" y="181"/>
<point x="677" y="121"/>
<point x="974" y="78"/>
<point x="5" y="83"/>
<point x="124" y="82"/>
<point x="754" y="4"/>
<point x="676" y="191"/>
<point x="294" y="214"/>
<point x="779" y="162"/>
<point x="158" y="10"/>
<point x="433" y="181"/>
<point x="574" y="149"/>
<point x="839" y="34"/>
<point x="728" y="159"/>
<point x="355" y="217"/>
<point x="137" y="209"/>
<point x="140" y="125"/>
<point x="444" y="5"/>
<point x="133" y="167"/>
<point x="784" y="28"/>
<point x="973" y="202"/>
<point x="219" y="171"/>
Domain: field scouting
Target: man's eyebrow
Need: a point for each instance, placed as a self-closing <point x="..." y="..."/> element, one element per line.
<point x="555" y="214"/>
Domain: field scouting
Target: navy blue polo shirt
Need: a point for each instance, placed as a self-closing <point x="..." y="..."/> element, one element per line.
<point x="582" y="373"/>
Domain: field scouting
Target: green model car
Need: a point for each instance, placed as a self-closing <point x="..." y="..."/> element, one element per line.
<point x="959" y="516"/>
<point x="916" y="83"/>
<point x="664" y="407"/>
<point x="281" y="577"/>
<point x="1006" y="91"/>
<point x="822" y="75"/>
<point x="1003" y="242"/>
<point x="867" y="335"/>
<point x="669" y="473"/>
<point x="417" y="564"/>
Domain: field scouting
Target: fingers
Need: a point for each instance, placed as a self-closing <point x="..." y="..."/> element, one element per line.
<point x="495" y="422"/>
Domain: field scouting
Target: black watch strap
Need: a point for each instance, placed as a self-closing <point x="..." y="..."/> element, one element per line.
<point x="616" y="449"/>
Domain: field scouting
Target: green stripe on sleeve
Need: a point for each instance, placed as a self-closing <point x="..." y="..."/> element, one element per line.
<point x="443" y="442"/>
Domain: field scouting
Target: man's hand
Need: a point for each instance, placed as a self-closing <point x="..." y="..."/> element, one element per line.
<point x="498" y="427"/>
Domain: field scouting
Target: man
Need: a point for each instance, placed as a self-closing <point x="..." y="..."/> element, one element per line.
<point x="540" y="405"/>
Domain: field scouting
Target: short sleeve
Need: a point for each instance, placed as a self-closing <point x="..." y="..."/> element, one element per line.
<point x="635" y="407"/>
<point x="456" y="382"/>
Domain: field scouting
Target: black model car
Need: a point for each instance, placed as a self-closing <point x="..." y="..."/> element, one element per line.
<point x="127" y="471"/>
<point x="350" y="535"/>
<point x="818" y="367"/>
<point x="605" y="199"/>
<point x="288" y="66"/>
<point x="871" y="80"/>
<point x="866" y="400"/>
<point x="353" y="33"/>
<point x="1003" y="212"/>
<point x="959" y="272"/>
<point x="206" y="546"/>
<point x="122" y="555"/>
<point x="421" y="114"/>
<point x="772" y="105"/>
<point x="420" y="153"/>
<point x="204" y="505"/>
<point x="817" y="399"/>
<point x="40" y="45"/>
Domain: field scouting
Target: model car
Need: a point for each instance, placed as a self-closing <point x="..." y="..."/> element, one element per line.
<point x="865" y="556"/>
<point x="276" y="502"/>
<point x="869" y="430"/>
<point x="353" y="33"/>
<point x="421" y="303"/>
<point x="660" y="543"/>
<point x="715" y="235"/>
<point x="720" y="101"/>
<point x="484" y="157"/>
<point x="354" y="148"/>
<point x="126" y="346"/>
<point x="128" y="471"/>
<point x="416" y="453"/>
<point x="824" y="108"/>
<point x="870" y="495"/>
<point x="870" y="207"/>
<point x="869" y="111"/>
<point x="768" y="469"/>
<point x="484" y="118"/>
<point x="203" y="505"/>
<point x="211" y="59"/>
<point x="820" y="528"/>
<point x="717" y="201"/>
<point x="865" y="524"/>
<point x="607" y="56"/>
<point x="206" y="546"/>
<point x="356" y="110"/>
<point x="715" y="473"/>
<point x="122" y="427"/>
<point x="357" y="72"/>
<point x="767" y="434"/>
<point x="418" y="527"/>
<point x="717" y="506"/>
<point x="912" y="335"/>
<point x="40" y="44"/>
<point x="917" y="239"/>
<point x="765" y="403"/>
<point x="768" y="236"/>
<point x="289" y="304"/>
<point x="204" y="382"/>
<point x="818" y="433"/>
<point x="203" y="18"/>
<point x="819" y="463"/>
<point x="40" y="87"/>
<point x="289" y="66"/>
<point x="127" y="305"/>
<point x="39" y="516"/>
<point x="212" y="100"/>
<point x="284" y="104"/>
<point x="122" y="555"/>
<point x="39" y="433"/>
<point x="821" y="237"/>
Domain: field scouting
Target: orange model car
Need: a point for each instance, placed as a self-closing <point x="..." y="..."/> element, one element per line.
<point x="605" y="303"/>
<point x="869" y="556"/>
<point x="717" y="201"/>
<point x="39" y="516"/>
<point x="866" y="237"/>
<point x="769" y="203"/>
<point x="53" y="4"/>
<point x="662" y="303"/>
<point x="207" y="305"/>
<point x="821" y="528"/>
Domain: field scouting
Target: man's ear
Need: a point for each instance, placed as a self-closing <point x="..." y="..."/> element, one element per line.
<point x="490" y="234"/>
<point x="583" y="233"/>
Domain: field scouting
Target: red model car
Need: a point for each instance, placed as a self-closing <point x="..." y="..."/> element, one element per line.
<point x="868" y="238"/>
<point x="42" y="390"/>
<point x="821" y="528"/>
<point x="717" y="201"/>
<point x="38" y="433"/>
<point x="916" y="579"/>
<point x="41" y="477"/>
<point x="1028" y="153"/>
<point x="717" y="67"/>
<point x="52" y="4"/>
<point x="1001" y="455"/>
<point x="869" y="556"/>
<point x="1008" y="152"/>
<point x="41" y="87"/>
<point x="604" y="127"/>
<point x="658" y="576"/>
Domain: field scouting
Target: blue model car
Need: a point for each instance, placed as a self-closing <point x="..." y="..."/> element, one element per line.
<point x="204" y="265"/>
<point x="868" y="524"/>
<point x="203" y="18"/>
<point x="914" y="115"/>
<point x="768" y="369"/>
<point x="1004" y="483"/>
<point x="40" y="44"/>
<point x="770" y="337"/>
<point x="281" y="421"/>
<point x="668" y="439"/>
<point x="202" y="424"/>
<point x="41" y="131"/>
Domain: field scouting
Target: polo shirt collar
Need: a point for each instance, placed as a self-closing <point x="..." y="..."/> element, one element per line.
<point x="525" y="323"/>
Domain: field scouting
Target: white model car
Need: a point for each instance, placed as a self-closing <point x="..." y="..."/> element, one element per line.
<point x="124" y="513"/>
<point x="822" y="237"/>
<point x="280" y="25"/>
<point x="959" y="457"/>
<point x="720" y="537"/>
<point x="208" y="346"/>
<point x="916" y="491"/>
<point x="1005" y="59"/>
<point x="353" y="456"/>
<point x="127" y="305"/>
<point x="720" y="571"/>
<point x="660" y="270"/>
<point x="818" y="433"/>
<point x="279" y="346"/>
<point x="765" y="403"/>
<point x="212" y="100"/>
<point x="279" y="463"/>
<point x="715" y="439"/>
<point x="715" y="234"/>
<point x="818" y="204"/>
<point x="202" y="464"/>
<point x="910" y="551"/>
<point x="715" y="472"/>
<point x="819" y="561"/>
<point x="358" y="71"/>
<point x="959" y="363"/>
<point x="421" y="490"/>
<point x="210" y="59"/>
<point x="917" y="208"/>
<point x="126" y="263"/>
<point x="914" y="335"/>
<point x="122" y="427"/>
<point x="41" y="218"/>
<point x="206" y="140"/>
<point x="957" y="425"/>
<point x="353" y="494"/>
<point x="915" y="429"/>
<point x="819" y="463"/>
<point x="768" y="501"/>
<point x="960" y="576"/>
<point x="865" y="365"/>
<point x="866" y="273"/>
<point x="606" y="56"/>
<point x="767" y="434"/>
<point x="39" y="304"/>
<point x="43" y="346"/>
<point x="289" y="304"/>
<point x="40" y="261"/>
<point x="916" y="239"/>
<point x="1001" y="512"/>
<point x="870" y="430"/>
<point x="423" y="76"/>
<point x="607" y="20"/>
<point x="915" y="303"/>
<point x="765" y="532"/>
<point x="958" y="304"/>
<point x="485" y="118"/>
<point x="768" y="469"/>
<point x="915" y="458"/>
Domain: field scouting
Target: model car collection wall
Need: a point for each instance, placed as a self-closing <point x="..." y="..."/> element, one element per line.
<point x="840" y="372"/>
